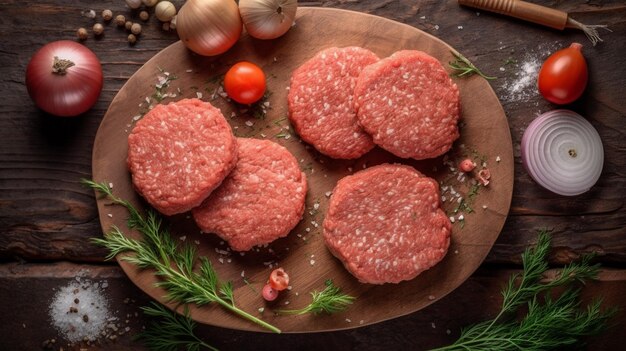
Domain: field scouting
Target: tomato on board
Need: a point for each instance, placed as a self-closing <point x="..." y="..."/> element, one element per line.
<point x="269" y="293"/>
<point x="279" y="279"/>
<point x="563" y="76"/>
<point x="245" y="82"/>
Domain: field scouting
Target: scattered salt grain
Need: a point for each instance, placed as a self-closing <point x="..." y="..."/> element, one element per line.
<point x="459" y="27"/>
<point x="110" y="215"/>
<point x="328" y="193"/>
<point x="79" y="310"/>
<point x="498" y="159"/>
<point x="523" y="86"/>
<point x="199" y="94"/>
<point x="348" y="320"/>
<point x="432" y="324"/>
<point x="189" y="71"/>
<point x="249" y="123"/>
<point x="451" y="219"/>
<point x="436" y="27"/>
<point x="183" y="238"/>
<point x="431" y="297"/>
<point x="111" y="185"/>
<point x="312" y="262"/>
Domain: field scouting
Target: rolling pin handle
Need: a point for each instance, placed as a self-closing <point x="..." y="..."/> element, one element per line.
<point x="522" y="10"/>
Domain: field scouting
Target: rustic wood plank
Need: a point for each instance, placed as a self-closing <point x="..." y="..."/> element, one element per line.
<point x="46" y="215"/>
<point x="27" y="289"/>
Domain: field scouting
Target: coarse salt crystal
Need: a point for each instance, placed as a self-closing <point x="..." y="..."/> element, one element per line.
<point x="80" y="311"/>
<point x="451" y="219"/>
<point x="498" y="159"/>
<point x="249" y="123"/>
<point x="459" y="27"/>
<point x="312" y="262"/>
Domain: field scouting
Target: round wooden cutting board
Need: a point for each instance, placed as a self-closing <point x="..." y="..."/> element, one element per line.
<point x="485" y="137"/>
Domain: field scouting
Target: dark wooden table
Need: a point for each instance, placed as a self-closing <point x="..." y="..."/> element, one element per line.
<point x="47" y="217"/>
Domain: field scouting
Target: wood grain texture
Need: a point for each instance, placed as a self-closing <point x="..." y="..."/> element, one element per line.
<point x="46" y="216"/>
<point x="436" y="325"/>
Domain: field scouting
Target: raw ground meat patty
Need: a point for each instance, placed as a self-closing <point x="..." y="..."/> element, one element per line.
<point x="385" y="224"/>
<point x="321" y="106"/>
<point x="260" y="201"/>
<point x="409" y="105"/>
<point x="179" y="153"/>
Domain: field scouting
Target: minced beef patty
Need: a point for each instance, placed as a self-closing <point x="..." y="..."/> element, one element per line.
<point x="263" y="198"/>
<point x="321" y="106"/>
<point x="179" y="153"/>
<point x="386" y="225"/>
<point x="409" y="105"/>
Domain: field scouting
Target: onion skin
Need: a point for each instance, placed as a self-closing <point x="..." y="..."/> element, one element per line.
<point x="268" y="19"/>
<point x="562" y="152"/>
<point x="69" y="94"/>
<point x="209" y="27"/>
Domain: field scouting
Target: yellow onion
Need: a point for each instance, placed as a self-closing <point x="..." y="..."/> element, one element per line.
<point x="209" y="27"/>
<point x="268" y="19"/>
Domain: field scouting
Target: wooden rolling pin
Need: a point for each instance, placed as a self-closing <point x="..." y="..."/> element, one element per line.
<point x="535" y="13"/>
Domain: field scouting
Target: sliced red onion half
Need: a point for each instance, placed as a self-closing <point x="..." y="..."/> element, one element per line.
<point x="563" y="152"/>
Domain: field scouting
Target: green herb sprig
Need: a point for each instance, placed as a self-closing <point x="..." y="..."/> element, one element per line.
<point x="329" y="300"/>
<point x="170" y="331"/>
<point x="173" y="264"/>
<point x="548" y="323"/>
<point x="464" y="67"/>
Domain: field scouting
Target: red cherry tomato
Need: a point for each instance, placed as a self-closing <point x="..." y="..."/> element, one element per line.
<point x="563" y="76"/>
<point x="467" y="165"/>
<point x="269" y="294"/>
<point x="245" y="82"/>
<point x="279" y="279"/>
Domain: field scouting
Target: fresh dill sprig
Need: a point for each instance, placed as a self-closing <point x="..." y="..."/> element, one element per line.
<point x="173" y="264"/>
<point x="329" y="300"/>
<point x="171" y="331"/>
<point x="464" y="67"/>
<point x="548" y="323"/>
